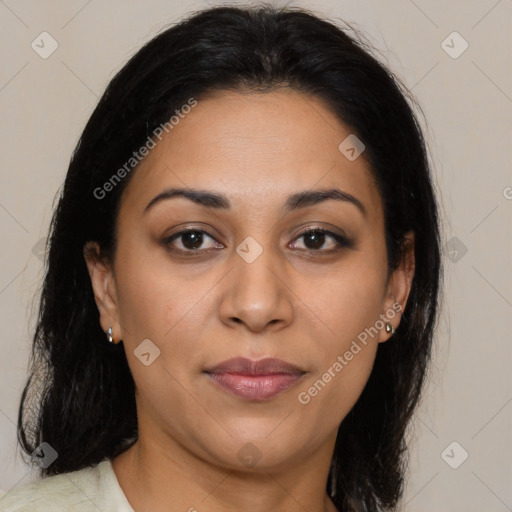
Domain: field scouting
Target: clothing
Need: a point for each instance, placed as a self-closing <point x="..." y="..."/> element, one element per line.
<point x="89" y="489"/>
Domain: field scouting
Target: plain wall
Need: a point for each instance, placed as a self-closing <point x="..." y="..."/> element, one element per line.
<point x="467" y="100"/>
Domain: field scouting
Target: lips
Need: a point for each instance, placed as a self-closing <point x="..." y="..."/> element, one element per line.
<point x="255" y="380"/>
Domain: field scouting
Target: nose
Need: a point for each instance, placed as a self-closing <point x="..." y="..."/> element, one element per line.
<point x="258" y="294"/>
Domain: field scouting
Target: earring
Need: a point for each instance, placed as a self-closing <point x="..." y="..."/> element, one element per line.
<point x="390" y="328"/>
<point x="110" y="338"/>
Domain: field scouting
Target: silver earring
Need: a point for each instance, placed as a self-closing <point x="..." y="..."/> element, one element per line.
<point x="390" y="328"/>
<point x="109" y="335"/>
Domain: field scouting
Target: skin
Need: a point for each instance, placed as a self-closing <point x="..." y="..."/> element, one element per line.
<point x="304" y="307"/>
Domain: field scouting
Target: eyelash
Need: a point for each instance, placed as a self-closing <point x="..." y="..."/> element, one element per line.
<point x="341" y="241"/>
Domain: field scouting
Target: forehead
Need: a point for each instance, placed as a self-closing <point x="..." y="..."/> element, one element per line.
<point x="254" y="148"/>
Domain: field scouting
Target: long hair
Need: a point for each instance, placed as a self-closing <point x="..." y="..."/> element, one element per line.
<point x="80" y="394"/>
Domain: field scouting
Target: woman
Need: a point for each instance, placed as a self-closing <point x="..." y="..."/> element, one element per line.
<point x="243" y="280"/>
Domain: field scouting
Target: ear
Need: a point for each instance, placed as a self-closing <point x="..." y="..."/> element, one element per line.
<point x="399" y="287"/>
<point x="103" y="285"/>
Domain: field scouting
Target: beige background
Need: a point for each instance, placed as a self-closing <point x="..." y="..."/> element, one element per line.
<point x="44" y="104"/>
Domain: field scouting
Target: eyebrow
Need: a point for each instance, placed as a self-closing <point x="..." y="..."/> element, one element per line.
<point x="293" y="202"/>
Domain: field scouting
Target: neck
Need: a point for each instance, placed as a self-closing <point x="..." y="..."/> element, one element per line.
<point x="154" y="480"/>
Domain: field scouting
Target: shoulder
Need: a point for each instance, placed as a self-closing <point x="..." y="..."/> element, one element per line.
<point x="91" y="488"/>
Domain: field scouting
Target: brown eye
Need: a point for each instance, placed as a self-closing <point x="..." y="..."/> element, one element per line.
<point x="314" y="240"/>
<point x="191" y="240"/>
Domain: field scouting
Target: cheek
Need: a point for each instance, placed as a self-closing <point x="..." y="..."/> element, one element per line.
<point x="152" y="295"/>
<point x="345" y="302"/>
<point x="162" y="302"/>
<point x="344" y="355"/>
<point x="159" y="304"/>
<point x="347" y="309"/>
<point x="327" y="399"/>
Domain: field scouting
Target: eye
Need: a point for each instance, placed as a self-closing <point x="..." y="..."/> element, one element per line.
<point x="315" y="238"/>
<point x="191" y="240"/>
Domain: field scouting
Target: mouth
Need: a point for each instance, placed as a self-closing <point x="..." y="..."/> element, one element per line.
<point x="255" y="380"/>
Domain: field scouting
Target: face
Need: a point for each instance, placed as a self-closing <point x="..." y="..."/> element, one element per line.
<point x="255" y="273"/>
